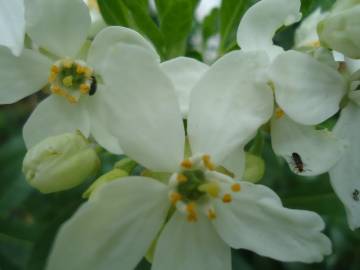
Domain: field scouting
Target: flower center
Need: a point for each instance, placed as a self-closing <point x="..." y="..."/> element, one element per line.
<point x="71" y="79"/>
<point x="197" y="184"/>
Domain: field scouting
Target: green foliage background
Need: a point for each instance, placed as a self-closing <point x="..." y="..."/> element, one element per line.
<point x="29" y="220"/>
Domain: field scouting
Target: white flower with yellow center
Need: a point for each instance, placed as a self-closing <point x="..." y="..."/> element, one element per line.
<point x="306" y="91"/>
<point x="12" y="25"/>
<point x="197" y="213"/>
<point x="57" y="63"/>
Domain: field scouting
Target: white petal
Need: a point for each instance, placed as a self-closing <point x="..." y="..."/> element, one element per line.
<point x="113" y="35"/>
<point x="353" y="65"/>
<point x="235" y="162"/>
<point x="184" y="73"/>
<point x="260" y="22"/>
<point x="60" y="26"/>
<point x="55" y="116"/>
<point x="229" y="104"/>
<point x="306" y="34"/>
<point x="319" y="150"/>
<point x="99" y="109"/>
<point x="21" y="76"/>
<point x="184" y="245"/>
<point x="345" y="175"/>
<point x="257" y="221"/>
<point x="147" y="121"/>
<point x="307" y="90"/>
<point x="114" y="229"/>
<point x="12" y="25"/>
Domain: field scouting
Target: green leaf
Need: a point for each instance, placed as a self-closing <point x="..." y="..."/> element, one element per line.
<point x="115" y="12"/>
<point x="231" y="12"/>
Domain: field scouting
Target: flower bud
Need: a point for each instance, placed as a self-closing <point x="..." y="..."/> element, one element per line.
<point x="254" y="168"/>
<point x="340" y="30"/>
<point x="60" y="162"/>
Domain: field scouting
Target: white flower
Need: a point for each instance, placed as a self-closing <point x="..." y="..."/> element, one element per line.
<point x="344" y="175"/>
<point x="12" y="25"/>
<point x="79" y="99"/>
<point x="307" y="92"/>
<point x="340" y="29"/>
<point x="211" y="211"/>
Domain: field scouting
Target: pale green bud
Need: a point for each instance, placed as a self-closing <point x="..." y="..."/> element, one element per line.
<point x="254" y="168"/>
<point x="60" y="162"/>
<point x="102" y="180"/>
<point x="340" y="30"/>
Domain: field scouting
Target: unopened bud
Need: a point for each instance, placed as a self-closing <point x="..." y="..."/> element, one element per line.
<point x="340" y="30"/>
<point x="254" y="168"/>
<point x="60" y="162"/>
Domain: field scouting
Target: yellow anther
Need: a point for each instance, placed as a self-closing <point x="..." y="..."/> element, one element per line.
<point x="212" y="189"/>
<point x="55" y="69"/>
<point x="67" y="63"/>
<point x="71" y="99"/>
<point x="181" y="178"/>
<point x="84" y="88"/>
<point x="57" y="90"/>
<point x="175" y="197"/>
<point x="192" y="216"/>
<point x="68" y="81"/>
<point x="88" y="72"/>
<point x="52" y="77"/>
<point x="186" y="163"/>
<point x="208" y="163"/>
<point x="80" y="69"/>
<point x="236" y="187"/>
<point x="227" y="198"/>
<point x="211" y="214"/>
<point x="279" y="113"/>
<point x="315" y="44"/>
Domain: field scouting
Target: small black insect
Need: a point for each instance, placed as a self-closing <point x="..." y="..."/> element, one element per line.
<point x="355" y="195"/>
<point x="93" y="86"/>
<point x="298" y="163"/>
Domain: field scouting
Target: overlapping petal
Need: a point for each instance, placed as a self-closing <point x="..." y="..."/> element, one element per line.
<point x="60" y="26"/>
<point x="345" y="175"/>
<point x="12" y="25"/>
<point x="319" y="150"/>
<point x="260" y="22"/>
<point x="184" y="73"/>
<point x="256" y="220"/>
<point x="307" y="90"/>
<point x="21" y="76"/>
<point x="235" y="162"/>
<point x="113" y="35"/>
<point x="229" y="104"/>
<point x="99" y="108"/>
<point x="185" y="245"/>
<point x="146" y="116"/>
<point x="54" y="116"/>
<point x="116" y="227"/>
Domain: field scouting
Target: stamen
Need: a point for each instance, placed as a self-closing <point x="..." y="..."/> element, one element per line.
<point x="279" y="113"/>
<point x="54" y="69"/>
<point x="181" y="178"/>
<point x="71" y="99"/>
<point x="57" y="90"/>
<point x="227" y="198"/>
<point x="211" y="214"/>
<point x="211" y="188"/>
<point x="88" y="72"/>
<point x="192" y="216"/>
<point x="67" y="63"/>
<point x="208" y="163"/>
<point x="84" y="88"/>
<point x="315" y="44"/>
<point x="187" y="164"/>
<point x="80" y="69"/>
<point x="68" y="81"/>
<point x="175" y="197"/>
<point x="236" y="187"/>
<point x="52" y="77"/>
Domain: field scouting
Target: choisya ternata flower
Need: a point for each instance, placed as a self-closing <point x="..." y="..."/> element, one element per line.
<point x="209" y="211"/>
<point x="306" y="90"/>
<point x="59" y="64"/>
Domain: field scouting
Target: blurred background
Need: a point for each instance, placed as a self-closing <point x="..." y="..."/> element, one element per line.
<point x="29" y="220"/>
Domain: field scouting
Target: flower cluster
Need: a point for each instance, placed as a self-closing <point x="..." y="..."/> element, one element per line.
<point x="187" y="123"/>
